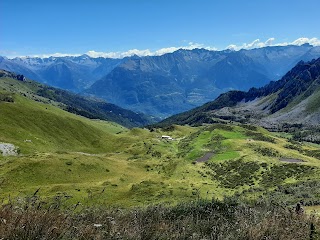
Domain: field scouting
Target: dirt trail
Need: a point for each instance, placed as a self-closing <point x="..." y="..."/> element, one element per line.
<point x="291" y="160"/>
<point x="206" y="157"/>
<point x="87" y="154"/>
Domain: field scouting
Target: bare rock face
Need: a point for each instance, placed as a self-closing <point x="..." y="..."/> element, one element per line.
<point x="8" y="149"/>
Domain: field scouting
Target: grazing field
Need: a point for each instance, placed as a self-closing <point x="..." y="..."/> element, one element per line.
<point x="101" y="163"/>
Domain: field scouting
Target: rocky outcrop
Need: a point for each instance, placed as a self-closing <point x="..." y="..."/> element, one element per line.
<point x="8" y="149"/>
<point x="4" y="73"/>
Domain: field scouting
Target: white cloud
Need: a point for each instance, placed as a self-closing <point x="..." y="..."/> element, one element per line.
<point x="191" y="45"/>
<point x="312" y="41"/>
<point x="232" y="47"/>
<point x="147" y="52"/>
<point x="270" y="42"/>
<point x="128" y="53"/>
<point x="255" y="44"/>
<point x="165" y="50"/>
<point x="53" y="55"/>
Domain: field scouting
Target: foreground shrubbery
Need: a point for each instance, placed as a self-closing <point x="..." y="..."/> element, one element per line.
<point x="34" y="219"/>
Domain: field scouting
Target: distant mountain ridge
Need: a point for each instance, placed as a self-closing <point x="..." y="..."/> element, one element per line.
<point x="74" y="103"/>
<point x="70" y="73"/>
<point x="176" y="82"/>
<point x="167" y="84"/>
<point x="294" y="99"/>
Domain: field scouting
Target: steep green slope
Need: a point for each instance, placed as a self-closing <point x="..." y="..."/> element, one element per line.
<point x="34" y="126"/>
<point x="90" y="108"/>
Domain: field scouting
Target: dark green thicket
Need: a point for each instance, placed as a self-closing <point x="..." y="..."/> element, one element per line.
<point x="311" y="135"/>
<point x="307" y="192"/>
<point x="233" y="174"/>
<point x="259" y="136"/>
<point x="238" y="173"/>
<point x="278" y="173"/>
<point x="264" y="151"/>
<point x="249" y="127"/>
<point x="298" y="146"/>
<point x="6" y="97"/>
<point x="312" y="153"/>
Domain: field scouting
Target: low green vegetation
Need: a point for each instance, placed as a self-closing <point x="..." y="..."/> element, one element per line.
<point x="307" y="192"/>
<point x="102" y="163"/>
<point x="79" y="168"/>
<point x="234" y="173"/>
<point x="41" y="127"/>
<point x="228" y="219"/>
<point x="313" y="103"/>
<point x="6" y="97"/>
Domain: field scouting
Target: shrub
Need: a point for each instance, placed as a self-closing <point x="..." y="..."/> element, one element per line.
<point x="259" y="136"/>
<point x="6" y="97"/>
<point x="269" y="152"/>
<point x="228" y="219"/>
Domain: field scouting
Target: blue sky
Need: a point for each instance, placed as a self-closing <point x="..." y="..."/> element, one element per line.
<point x="40" y="27"/>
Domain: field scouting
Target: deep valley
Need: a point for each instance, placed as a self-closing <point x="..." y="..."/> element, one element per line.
<point x="243" y="156"/>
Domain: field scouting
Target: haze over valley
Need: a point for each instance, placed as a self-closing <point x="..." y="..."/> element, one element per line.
<point x="168" y="84"/>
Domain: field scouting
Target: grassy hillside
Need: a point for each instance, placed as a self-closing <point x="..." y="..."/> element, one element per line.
<point x="38" y="127"/>
<point x="87" y="107"/>
<point x="96" y="162"/>
<point x="81" y="178"/>
<point x="97" y="172"/>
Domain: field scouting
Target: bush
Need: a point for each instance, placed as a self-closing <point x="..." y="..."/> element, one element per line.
<point x="236" y="173"/>
<point x="278" y="173"/>
<point x="228" y="219"/>
<point x="259" y="136"/>
<point x="6" y="97"/>
<point x="269" y="152"/>
<point x="233" y="174"/>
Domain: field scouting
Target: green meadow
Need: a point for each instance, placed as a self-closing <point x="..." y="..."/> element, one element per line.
<point x="95" y="162"/>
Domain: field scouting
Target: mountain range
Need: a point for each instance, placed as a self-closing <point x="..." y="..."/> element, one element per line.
<point x="70" y="73"/>
<point x="168" y="84"/>
<point x="291" y="101"/>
